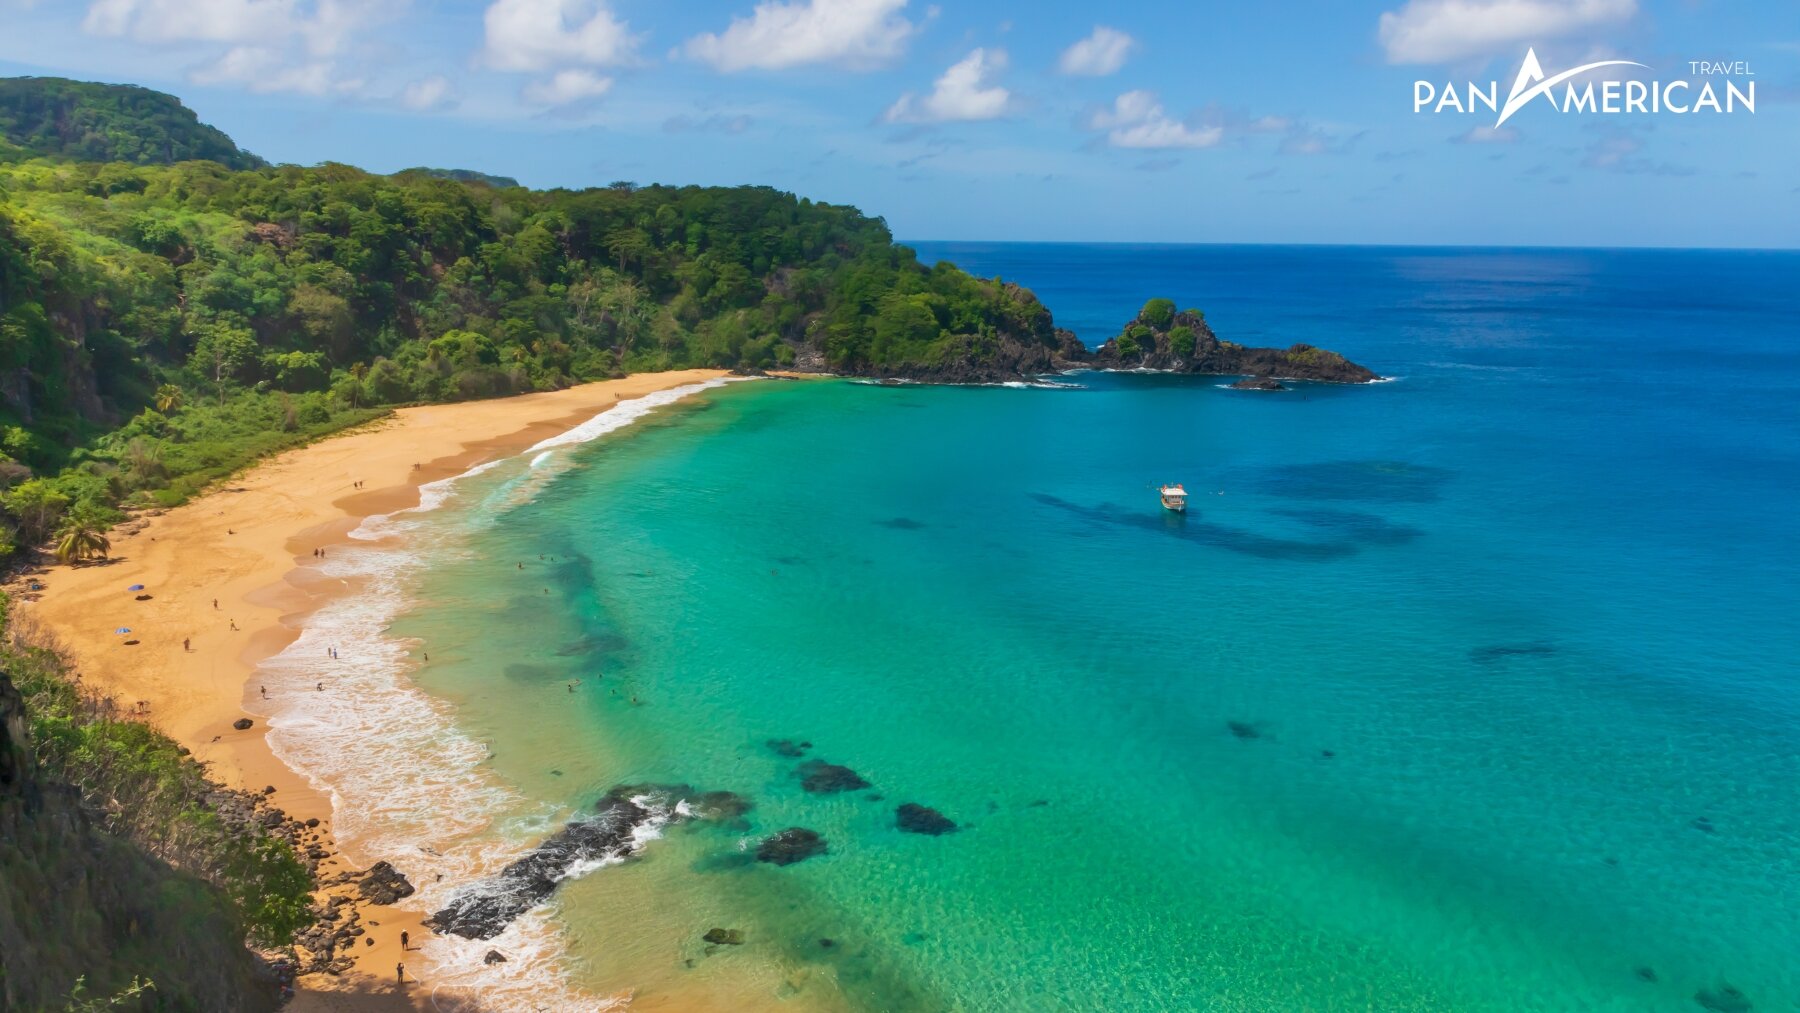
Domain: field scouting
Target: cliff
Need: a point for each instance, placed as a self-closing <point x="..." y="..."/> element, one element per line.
<point x="80" y="905"/>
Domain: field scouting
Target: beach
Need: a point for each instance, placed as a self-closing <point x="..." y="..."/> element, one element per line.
<point x="230" y="578"/>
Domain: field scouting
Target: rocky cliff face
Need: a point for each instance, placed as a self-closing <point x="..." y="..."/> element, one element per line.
<point x="78" y="903"/>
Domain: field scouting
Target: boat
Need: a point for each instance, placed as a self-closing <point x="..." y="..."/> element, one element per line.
<point x="1174" y="497"/>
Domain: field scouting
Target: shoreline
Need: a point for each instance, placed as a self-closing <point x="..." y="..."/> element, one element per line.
<point x="233" y="572"/>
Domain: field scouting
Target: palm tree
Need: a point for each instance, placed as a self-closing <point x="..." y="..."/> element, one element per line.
<point x="357" y="372"/>
<point x="79" y="540"/>
<point x="169" y="399"/>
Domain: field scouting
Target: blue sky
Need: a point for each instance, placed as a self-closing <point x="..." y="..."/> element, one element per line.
<point x="1176" y="121"/>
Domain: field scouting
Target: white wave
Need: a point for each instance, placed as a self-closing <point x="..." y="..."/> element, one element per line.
<point x="390" y="757"/>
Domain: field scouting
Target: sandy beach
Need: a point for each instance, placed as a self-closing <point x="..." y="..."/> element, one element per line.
<point x="227" y="576"/>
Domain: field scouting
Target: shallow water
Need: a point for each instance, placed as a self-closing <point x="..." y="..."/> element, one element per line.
<point x="1473" y="690"/>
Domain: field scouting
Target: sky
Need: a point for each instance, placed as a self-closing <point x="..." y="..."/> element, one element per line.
<point x="1281" y="121"/>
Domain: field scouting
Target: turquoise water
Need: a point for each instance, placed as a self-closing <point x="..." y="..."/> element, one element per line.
<point x="1470" y="691"/>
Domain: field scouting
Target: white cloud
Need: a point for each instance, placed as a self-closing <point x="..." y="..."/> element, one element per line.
<point x="566" y="87"/>
<point x="1098" y="55"/>
<point x="1440" y="31"/>
<point x="324" y="27"/>
<point x="964" y="92"/>
<point x="856" y="34"/>
<point x="1137" y="120"/>
<point x="263" y="70"/>
<point x="427" y="93"/>
<point x="273" y="45"/>
<point x="530" y="35"/>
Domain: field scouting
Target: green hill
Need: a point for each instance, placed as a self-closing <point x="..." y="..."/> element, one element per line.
<point x="109" y="123"/>
<point x="163" y="325"/>
<point x="463" y="176"/>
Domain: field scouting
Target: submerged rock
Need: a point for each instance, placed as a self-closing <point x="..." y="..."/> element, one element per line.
<point x="724" y="937"/>
<point x="918" y="819"/>
<point x="823" y="778"/>
<point x="1647" y="974"/>
<point x="1724" y="999"/>
<point x="788" y="748"/>
<point x="1244" y="729"/>
<point x="383" y="884"/>
<point x="1259" y="383"/>
<point x="795" y="844"/>
<point x="484" y="909"/>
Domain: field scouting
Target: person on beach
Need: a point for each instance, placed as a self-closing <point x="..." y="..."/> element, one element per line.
<point x="187" y="643"/>
<point x="215" y="603"/>
<point x="233" y="623"/>
<point x="265" y="691"/>
<point x="400" y="973"/>
<point x="321" y="687"/>
<point x="404" y="939"/>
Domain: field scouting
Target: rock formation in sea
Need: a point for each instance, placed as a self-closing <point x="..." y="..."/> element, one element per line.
<point x="484" y="909"/>
<point x="821" y="778"/>
<point x="1162" y="338"/>
<point x="795" y="844"/>
<point x="1259" y="383"/>
<point x="914" y="818"/>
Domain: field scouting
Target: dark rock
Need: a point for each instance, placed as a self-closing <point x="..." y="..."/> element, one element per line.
<point x="494" y="957"/>
<point x="1724" y="999"/>
<point x="826" y="944"/>
<point x="313" y="822"/>
<point x="1646" y="974"/>
<point x="874" y="796"/>
<point x="1037" y="802"/>
<point x="1259" y="383"/>
<point x="383" y="884"/>
<point x="1701" y="823"/>
<point x="787" y="747"/>
<point x="1155" y="349"/>
<point x="724" y="937"/>
<point x="823" y="778"/>
<point x="242" y="724"/>
<point x="268" y="789"/>
<point x="1244" y="729"/>
<point x="1500" y="652"/>
<point x="917" y="819"/>
<point x="483" y="910"/>
<point x="1326" y="753"/>
<point x="795" y="844"/>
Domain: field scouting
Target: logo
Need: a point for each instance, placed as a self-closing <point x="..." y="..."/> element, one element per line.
<point x="1598" y="94"/>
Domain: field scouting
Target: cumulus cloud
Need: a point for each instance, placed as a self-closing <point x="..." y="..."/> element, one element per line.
<point x="273" y="45"/>
<point x="566" y="87"/>
<point x="427" y="93"/>
<point x="538" y="35"/>
<point x="1440" y="31"/>
<point x="1103" y="52"/>
<point x="856" y="34"/>
<point x="324" y="27"/>
<point x="1136" y="120"/>
<point x="964" y="92"/>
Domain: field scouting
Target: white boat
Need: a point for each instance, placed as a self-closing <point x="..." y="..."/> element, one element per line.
<point x="1174" y="497"/>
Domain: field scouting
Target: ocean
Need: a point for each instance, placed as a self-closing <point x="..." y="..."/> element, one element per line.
<point x="1471" y="690"/>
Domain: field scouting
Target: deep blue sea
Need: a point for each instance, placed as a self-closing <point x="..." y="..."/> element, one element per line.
<point x="1473" y="690"/>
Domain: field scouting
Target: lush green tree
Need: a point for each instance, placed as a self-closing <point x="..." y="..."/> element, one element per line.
<point x="1158" y="313"/>
<point x="1182" y="340"/>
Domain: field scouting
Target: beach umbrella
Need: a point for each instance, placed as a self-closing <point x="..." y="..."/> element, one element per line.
<point x="123" y="629"/>
<point x="135" y="587"/>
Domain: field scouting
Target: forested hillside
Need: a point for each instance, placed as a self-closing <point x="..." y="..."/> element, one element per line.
<point x="161" y="325"/>
<point x="109" y="123"/>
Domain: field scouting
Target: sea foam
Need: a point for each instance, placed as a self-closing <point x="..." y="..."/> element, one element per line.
<point x="405" y="784"/>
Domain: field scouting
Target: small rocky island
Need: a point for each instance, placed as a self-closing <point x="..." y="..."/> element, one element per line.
<point x="1163" y="338"/>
